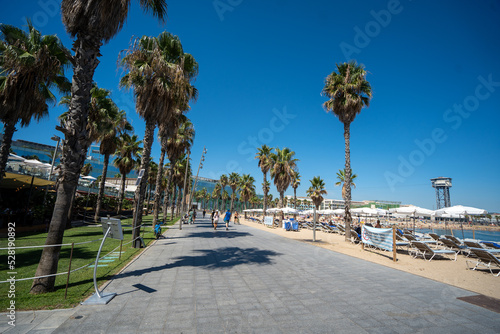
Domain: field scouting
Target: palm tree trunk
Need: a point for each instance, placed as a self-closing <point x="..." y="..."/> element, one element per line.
<point x="122" y="194"/>
<point x="167" y="199"/>
<point x="264" y="188"/>
<point x="172" y="205"/>
<point x="10" y="128"/>
<point x="101" y="187"/>
<point x="74" y="151"/>
<point x="295" y="198"/>
<point x="141" y="189"/>
<point x="232" y="200"/>
<point x="347" y="199"/>
<point x="159" y="177"/>
<point x="282" y="196"/>
<point x="177" y="204"/>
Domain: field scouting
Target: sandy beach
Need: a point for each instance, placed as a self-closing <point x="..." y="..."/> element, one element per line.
<point x="443" y="270"/>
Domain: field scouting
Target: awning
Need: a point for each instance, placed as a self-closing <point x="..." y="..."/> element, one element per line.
<point x="14" y="181"/>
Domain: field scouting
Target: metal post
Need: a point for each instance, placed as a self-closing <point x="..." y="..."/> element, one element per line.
<point x="69" y="269"/>
<point x="394" y="244"/>
<point x="97" y="262"/>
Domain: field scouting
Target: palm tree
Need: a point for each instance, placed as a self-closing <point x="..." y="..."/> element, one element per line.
<point x="160" y="73"/>
<point x="224" y="182"/>
<point x="265" y="163"/>
<point x="153" y="172"/>
<point x="86" y="169"/>
<point x="283" y="166"/>
<point x="233" y="182"/>
<point x="341" y="181"/>
<point x="92" y="24"/>
<point x="316" y="192"/>
<point x="266" y="186"/>
<point x="348" y="92"/>
<point x="216" y="194"/>
<point x="177" y="145"/>
<point x="225" y="197"/>
<point x="247" y="187"/>
<point x="30" y="65"/>
<point x="118" y="124"/>
<point x="295" y="185"/>
<point x="127" y="156"/>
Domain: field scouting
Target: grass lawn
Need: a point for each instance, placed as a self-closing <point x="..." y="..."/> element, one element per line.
<point x="81" y="282"/>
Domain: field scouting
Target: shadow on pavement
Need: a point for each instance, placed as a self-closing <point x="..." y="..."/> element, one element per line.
<point x="226" y="257"/>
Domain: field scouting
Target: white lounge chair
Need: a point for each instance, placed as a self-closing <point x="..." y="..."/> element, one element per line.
<point x="484" y="259"/>
<point x="423" y="249"/>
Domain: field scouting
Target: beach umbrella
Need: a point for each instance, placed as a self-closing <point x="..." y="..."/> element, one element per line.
<point x="460" y="210"/>
<point x="412" y="211"/>
<point x="339" y="212"/>
<point x="289" y="210"/>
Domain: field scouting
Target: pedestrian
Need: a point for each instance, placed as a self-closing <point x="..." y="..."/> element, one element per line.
<point x="194" y="215"/>
<point x="236" y="218"/>
<point x="204" y="212"/>
<point x="227" y="217"/>
<point x="212" y="218"/>
<point x="216" y="219"/>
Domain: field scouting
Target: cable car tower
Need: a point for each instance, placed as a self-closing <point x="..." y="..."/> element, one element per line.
<point x="442" y="185"/>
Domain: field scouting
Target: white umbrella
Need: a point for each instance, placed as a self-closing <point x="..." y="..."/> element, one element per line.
<point x="339" y="212"/>
<point x="461" y="211"/>
<point x="88" y="177"/>
<point x="289" y="210"/>
<point x="412" y="211"/>
<point x="326" y="212"/>
<point x="308" y="212"/>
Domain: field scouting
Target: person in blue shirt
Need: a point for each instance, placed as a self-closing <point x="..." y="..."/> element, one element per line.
<point x="227" y="217"/>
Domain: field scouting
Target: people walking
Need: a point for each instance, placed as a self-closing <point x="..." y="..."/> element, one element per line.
<point x="216" y="219"/>
<point x="236" y="218"/>
<point x="212" y="218"/>
<point x="204" y="212"/>
<point x="227" y="217"/>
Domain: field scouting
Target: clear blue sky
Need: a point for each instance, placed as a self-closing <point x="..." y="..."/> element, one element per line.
<point x="433" y="67"/>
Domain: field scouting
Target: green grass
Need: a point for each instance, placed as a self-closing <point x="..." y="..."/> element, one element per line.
<point x="81" y="282"/>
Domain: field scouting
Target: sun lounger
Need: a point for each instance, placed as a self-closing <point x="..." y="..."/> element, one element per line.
<point x="435" y="237"/>
<point x="484" y="259"/>
<point x="450" y="244"/>
<point x="454" y="239"/>
<point x="423" y="249"/>
<point x="476" y="244"/>
<point x="491" y="244"/>
<point x="410" y="237"/>
<point x="355" y="238"/>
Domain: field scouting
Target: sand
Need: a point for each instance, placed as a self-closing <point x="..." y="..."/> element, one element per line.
<point x="442" y="270"/>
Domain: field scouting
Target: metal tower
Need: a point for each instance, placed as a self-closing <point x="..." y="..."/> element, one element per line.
<point x="442" y="185"/>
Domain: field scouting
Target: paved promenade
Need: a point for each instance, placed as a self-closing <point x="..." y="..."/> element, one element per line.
<point x="245" y="280"/>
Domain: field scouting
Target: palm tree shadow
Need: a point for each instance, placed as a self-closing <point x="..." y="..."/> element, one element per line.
<point x="222" y="258"/>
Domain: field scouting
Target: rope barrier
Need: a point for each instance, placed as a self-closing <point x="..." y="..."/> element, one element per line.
<point x="72" y="271"/>
<point x="43" y="246"/>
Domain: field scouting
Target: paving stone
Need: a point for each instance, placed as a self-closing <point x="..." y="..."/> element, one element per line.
<point x="251" y="281"/>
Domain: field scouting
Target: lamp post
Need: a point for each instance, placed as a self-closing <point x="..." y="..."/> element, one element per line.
<point x="200" y="166"/>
